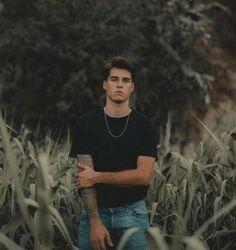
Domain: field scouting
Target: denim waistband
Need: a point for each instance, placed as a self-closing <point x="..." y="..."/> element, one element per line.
<point x="132" y="205"/>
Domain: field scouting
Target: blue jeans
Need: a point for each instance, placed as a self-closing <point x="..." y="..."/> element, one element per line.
<point x="117" y="221"/>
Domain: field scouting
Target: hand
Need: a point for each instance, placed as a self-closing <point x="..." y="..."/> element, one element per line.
<point x="85" y="176"/>
<point x="98" y="235"/>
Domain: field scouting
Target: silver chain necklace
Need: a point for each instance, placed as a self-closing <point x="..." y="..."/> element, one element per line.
<point x="115" y="136"/>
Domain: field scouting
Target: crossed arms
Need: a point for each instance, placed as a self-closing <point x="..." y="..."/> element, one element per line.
<point x="87" y="177"/>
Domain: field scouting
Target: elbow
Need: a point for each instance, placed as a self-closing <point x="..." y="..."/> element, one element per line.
<point x="145" y="181"/>
<point x="143" y="178"/>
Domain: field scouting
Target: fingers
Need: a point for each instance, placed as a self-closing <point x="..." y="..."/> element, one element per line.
<point x="95" y="245"/>
<point x="78" y="181"/>
<point x="77" y="176"/>
<point x="83" y="176"/>
<point x="79" y="170"/>
<point x="82" y="166"/>
<point x="108" y="238"/>
<point x="98" y="245"/>
<point x="82" y="183"/>
<point x="99" y="236"/>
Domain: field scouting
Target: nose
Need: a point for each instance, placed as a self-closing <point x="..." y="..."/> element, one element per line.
<point x="119" y="84"/>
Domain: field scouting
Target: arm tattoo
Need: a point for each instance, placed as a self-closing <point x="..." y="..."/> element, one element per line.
<point x="89" y="195"/>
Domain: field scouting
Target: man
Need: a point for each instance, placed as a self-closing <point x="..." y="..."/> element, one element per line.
<point x="116" y="150"/>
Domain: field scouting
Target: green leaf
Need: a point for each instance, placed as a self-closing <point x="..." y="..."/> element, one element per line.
<point x="8" y="243"/>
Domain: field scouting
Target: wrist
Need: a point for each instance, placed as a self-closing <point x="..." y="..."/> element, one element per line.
<point x="95" y="221"/>
<point x="98" y="177"/>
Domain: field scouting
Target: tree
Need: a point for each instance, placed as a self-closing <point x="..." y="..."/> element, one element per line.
<point x="53" y="51"/>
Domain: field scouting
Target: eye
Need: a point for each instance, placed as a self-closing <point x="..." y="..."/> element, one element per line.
<point x="126" y="80"/>
<point x="113" y="79"/>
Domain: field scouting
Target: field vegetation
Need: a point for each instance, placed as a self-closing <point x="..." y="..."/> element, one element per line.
<point x="191" y="201"/>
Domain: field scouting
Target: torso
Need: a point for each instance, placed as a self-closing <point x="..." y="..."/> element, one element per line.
<point x="116" y="154"/>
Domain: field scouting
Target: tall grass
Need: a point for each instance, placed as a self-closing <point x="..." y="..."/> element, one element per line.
<point x="191" y="201"/>
<point x="37" y="198"/>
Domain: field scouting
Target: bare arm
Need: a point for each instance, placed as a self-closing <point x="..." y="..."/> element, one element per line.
<point x="133" y="177"/>
<point x="98" y="232"/>
<point x="89" y="195"/>
<point x="139" y="176"/>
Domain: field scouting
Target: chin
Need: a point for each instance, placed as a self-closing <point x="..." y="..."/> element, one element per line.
<point x="119" y="101"/>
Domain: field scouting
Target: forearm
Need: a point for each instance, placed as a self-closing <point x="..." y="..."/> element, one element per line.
<point x="89" y="195"/>
<point x="125" y="178"/>
<point x="89" y="198"/>
<point x="139" y="176"/>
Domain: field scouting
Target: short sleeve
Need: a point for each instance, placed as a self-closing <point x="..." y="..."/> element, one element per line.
<point x="148" y="140"/>
<point x="81" y="142"/>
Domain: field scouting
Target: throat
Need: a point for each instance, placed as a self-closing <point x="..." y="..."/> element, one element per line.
<point x="117" y="113"/>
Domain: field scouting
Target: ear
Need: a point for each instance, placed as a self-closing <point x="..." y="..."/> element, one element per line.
<point x="104" y="85"/>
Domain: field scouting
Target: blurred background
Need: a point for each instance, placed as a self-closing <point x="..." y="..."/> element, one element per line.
<point x="52" y="52"/>
<point x="51" y="58"/>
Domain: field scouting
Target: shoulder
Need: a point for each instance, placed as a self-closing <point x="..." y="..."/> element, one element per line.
<point x="145" y="125"/>
<point x="142" y="119"/>
<point x="89" y="116"/>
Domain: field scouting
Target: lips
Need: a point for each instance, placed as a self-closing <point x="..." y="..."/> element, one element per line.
<point x="119" y="92"/>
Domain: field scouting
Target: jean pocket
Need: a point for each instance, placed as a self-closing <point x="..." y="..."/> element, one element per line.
<point x="139" y="210"/>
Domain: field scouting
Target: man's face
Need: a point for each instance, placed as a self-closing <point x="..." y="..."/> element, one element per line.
<point x="119" y="85"/>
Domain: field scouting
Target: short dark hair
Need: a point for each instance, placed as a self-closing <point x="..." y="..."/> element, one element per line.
<point x="120" y="63"/>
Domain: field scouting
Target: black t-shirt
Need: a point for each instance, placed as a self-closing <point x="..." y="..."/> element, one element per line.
<point x="91" y="136"/>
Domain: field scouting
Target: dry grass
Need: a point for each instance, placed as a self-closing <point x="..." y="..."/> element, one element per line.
<point x="191" y="201"/>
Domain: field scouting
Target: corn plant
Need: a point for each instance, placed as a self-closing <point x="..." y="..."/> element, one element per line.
<point x="193" y="200"/>
<point x="38" y="201"/>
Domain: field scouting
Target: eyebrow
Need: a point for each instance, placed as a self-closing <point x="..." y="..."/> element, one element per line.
<point x="124" y="78"/>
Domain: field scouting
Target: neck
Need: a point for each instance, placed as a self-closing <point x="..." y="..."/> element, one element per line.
<point x="117" y="110"/>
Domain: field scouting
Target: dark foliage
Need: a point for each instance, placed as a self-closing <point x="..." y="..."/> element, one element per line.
<point x="52" y="52"/>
